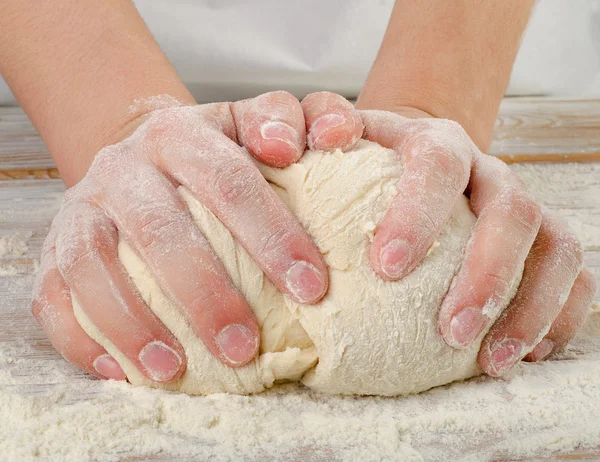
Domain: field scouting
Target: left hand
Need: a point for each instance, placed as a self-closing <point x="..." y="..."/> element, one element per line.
<point x="441" y="163"/>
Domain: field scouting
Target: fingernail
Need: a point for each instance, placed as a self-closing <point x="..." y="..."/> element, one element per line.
<point x="505" y="354"/>
<point x="160" y="361"/>
<point x="305" y="282"/>
<point x="108" y="366"/>
<point x="394" y="258"/>
<point x="542" y="349"/>
<point x="279" y="131"/>
<point x="322" y="125"/>
<point x="237" y="343"/>
<point x="466" y="326"/>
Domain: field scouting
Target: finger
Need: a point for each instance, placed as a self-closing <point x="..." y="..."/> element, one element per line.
<point x="231" y="186"/>
<point x="507" y="223"/>
<point x="550" y="272"/>
<point x="271" y="127"/>
<point x="332" y="122"/>
<point x="157" y="223"/>
<point x="436" y="156"/>
<point x="570" y="319"/>
<point x="52" y="308"/>
<point x="87" y="258"/>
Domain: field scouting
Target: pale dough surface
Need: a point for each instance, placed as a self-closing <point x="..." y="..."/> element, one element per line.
<point x="367" y="336"/>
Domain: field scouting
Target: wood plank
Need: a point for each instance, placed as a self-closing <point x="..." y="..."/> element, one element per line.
<point x="542" y="129"/>
<point x="24" y="174"/>
<point x="21" y="148"/>
<point x="527" y="130"/>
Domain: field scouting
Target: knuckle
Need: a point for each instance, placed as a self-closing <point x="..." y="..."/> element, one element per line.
<point x="453" y="164"/>
<point x="567" y="247"/>
<point x="44" y="312"/>
<point x="156" y="228"/>
<point x="36" y="310"/>
<point x="452" y="131"/>
<point x="424" y="225"/>
<point x="273" y="243"/>
<point x="588" y="282"/>
<point x="203" y="300"/>
<point x="282" y="94"/>
<point x="73" y="257"/>
<point x="77" y="246"/>
<point x="49" y="246"/>
<point x="162" y="119"/>
<point x="276" y="101"/>
<point x="523" y="209"/>
<point x="449" y="125"/>
<point x="237" y="185"/>
<point x="319" y="95"/>
<point x="512" y="178"/>
<point x="322" y="103"/>
<point x="498" y="282"/>
<point x="575" y="250"/>
<point x="103" y="171"/>
<point x="562" y="248"/>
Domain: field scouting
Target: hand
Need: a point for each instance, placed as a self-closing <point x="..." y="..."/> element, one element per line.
<point x="512" y="232"/>
<point x="130" y="190"/>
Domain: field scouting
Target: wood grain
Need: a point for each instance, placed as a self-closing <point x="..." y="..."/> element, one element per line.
<point x="546" y="129"/>
<point x="21" y="148"/>
<point x="527" y="130"/>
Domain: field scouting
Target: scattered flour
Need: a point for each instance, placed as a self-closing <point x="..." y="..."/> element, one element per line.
<point x="554" y="187"/>
<point x="14" y="244"/>
<point x="50" y="411"/>
<point x="10" y="270"/>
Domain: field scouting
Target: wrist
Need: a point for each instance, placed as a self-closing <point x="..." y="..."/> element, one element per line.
<point x="420" y="99"/>
<point x="108" y="123"/>
<point x="452" y="60"/>
<point x="78" y="71"/>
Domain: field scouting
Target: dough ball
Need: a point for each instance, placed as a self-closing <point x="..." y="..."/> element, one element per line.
<point x="367" y="336"/>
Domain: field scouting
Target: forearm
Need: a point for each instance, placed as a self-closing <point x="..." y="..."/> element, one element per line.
<point x="77" y="67"/>
<point x="449" y="59"/>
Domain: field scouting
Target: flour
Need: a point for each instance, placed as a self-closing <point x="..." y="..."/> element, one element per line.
<point x="10" y="270"/>
<point x="545" y="181"/>
<point x="14" y="245"/>
<point x="56" y="413"/>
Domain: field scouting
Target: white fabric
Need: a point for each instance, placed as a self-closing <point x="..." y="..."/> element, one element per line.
<point x="231" y="49"/>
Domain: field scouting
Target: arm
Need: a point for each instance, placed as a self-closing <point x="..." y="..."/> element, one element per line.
<point x="76" y="67"/>
<point x="451" y="60"/>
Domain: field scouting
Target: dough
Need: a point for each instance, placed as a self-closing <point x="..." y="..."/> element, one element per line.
<point x="367" y="336"/>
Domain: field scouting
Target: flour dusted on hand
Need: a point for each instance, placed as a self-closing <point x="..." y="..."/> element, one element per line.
<point x="367" y="336"/>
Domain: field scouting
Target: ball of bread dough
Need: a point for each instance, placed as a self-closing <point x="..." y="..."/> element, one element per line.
<point x="367" y="336"/>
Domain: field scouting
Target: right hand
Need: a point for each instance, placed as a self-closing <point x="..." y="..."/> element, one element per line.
<point x="131" y="190"/>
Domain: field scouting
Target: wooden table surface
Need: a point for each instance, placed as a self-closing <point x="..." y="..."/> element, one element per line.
<point x="553" y="144"/>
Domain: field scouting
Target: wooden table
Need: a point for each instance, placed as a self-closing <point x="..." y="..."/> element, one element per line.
<point x="553" y="144"/>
